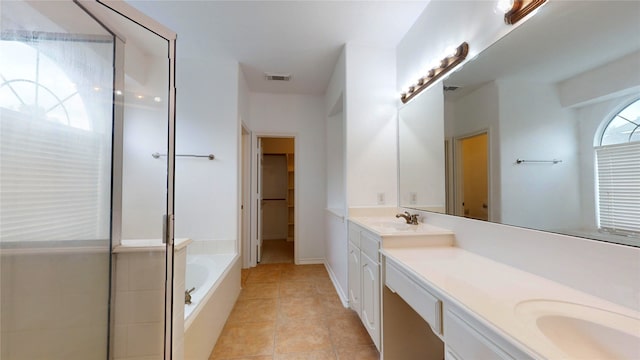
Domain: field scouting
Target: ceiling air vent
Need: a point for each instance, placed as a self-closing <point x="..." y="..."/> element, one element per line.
<point x="277" y="77"/>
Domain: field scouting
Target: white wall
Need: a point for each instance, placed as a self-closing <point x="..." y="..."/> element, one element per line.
<point x="144" y="180"/>
<point x="335" y="244"/>
<point x="606" y="270"/>
<point x="206" y="205"/>
<point x="534" y="126"/>
<point x="371" y="126"/>
<point x="302" y="116"/>
<point x="422" y="169"/>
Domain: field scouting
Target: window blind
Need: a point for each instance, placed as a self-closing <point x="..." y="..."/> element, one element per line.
<point x="53" y="183"/>
<point x="618" y="169"/>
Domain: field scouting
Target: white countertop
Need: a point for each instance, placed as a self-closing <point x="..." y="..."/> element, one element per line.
<point x="500" y="295"/>
<point x="390" y="226"/>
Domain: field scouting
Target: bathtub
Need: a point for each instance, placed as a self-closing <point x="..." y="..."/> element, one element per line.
<point x="216" y="279"/>
<point x="202" y="273"/>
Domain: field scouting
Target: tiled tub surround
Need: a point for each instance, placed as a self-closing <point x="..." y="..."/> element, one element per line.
<point x="139" y="299"/>
<point x="54" y="302"/>
<point x="499" y="298"/>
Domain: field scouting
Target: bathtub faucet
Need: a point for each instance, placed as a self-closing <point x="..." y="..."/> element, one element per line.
<point x="187" y="296"/>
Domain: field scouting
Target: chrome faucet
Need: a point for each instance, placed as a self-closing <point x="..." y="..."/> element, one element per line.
<point x="409" y="218"/>
<point x="187" y="296"/>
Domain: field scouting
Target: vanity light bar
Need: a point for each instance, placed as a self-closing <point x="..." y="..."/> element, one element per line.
<point x="520" y="9"/>
<point x="436" y="73"/>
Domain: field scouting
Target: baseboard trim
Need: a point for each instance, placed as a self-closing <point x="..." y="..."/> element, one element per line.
<point x="310" y="261"/>
<point x="336" y="285"/>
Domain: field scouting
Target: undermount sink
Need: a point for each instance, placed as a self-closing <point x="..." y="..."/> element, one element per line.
<point x="393" y="225"/>
<point x="582" y="332"/>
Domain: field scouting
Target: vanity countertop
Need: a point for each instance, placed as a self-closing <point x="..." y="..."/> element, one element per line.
<point x="506" y="298"/>
<point x="389" y="226"/>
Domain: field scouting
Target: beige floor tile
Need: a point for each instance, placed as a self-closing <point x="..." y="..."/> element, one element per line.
<point x="244" y="274"/>
<point x="292" y="312"/>
<point x="297" y="289"/>
<point x="247" y="358"/>
<point x="315" y="355"/>
<point x="254" y="310"/>
<point x="348" y="331"/>
<point x="264" y="273"/>
<point x="367" y="352"/>
<point x="258" y="290"/>
<point x="325" y="287"/>
<point x="333" y="307"/>
<point x="300" y="308"/>
<point x="277" y="252"/>
<point x="302" y="335"/>
<point x="244" y="340"/>
<point x="304" y="271"/>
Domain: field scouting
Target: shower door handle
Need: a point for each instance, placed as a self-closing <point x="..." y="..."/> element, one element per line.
<point x="167" y="229"/>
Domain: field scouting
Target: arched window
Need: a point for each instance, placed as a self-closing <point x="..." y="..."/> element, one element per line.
<point x="33" y="85"/>
<point x="618" y="169"/>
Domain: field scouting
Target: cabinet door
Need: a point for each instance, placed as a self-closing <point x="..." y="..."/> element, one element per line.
<point x="354" y="278"/>
<point x="371" y="297"/>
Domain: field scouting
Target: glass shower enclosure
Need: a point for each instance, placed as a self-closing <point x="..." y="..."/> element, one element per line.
<point x="87" y="96"/>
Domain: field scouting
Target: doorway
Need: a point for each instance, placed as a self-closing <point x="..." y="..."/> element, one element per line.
<point x="275" y="200"/>
<point x="471" y="177"/>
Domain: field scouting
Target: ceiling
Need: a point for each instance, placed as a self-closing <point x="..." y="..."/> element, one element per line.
<point x="300" y="38"/>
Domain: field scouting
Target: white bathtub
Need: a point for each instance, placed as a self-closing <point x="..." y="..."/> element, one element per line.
<point x="203" y="273"/>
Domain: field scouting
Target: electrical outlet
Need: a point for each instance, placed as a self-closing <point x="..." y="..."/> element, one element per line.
<point x="413" y="198"/>
<point x="381" y="198"/>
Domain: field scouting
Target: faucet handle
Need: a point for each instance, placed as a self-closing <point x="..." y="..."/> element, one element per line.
<point x="414" y="219"/>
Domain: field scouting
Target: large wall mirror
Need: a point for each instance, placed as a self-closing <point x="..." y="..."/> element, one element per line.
<point x="541" y="130"/>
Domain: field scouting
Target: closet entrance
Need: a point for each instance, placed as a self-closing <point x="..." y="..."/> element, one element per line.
<point x="276" y="193"/>
<point x="471" y="178"/>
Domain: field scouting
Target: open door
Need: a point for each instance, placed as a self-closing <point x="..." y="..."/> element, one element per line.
<point x="472" y="180"/>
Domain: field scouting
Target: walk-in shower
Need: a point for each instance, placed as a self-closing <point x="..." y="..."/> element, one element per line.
<point x="78" y="82"/>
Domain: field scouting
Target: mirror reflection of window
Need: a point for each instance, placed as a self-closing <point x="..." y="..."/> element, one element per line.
<point x="618" y="173"/>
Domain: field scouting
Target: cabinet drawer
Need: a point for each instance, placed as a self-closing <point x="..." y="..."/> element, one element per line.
<point x="369" y="244"/>
<point x="354" y="234"/>
<point x="425" y="304"/>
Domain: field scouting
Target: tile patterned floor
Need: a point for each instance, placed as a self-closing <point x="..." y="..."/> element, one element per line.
<point x="291" y="312"/>
<point x="277" y="252"/>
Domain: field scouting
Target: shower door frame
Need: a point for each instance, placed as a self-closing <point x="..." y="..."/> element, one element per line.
<point x="98" y="10"/>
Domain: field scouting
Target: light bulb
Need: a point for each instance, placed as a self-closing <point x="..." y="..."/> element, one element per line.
<point x="118" y="92"/>
<point x="157" y="99"/>
<point x="451" y="51"/>
<point x="504" y="5"/>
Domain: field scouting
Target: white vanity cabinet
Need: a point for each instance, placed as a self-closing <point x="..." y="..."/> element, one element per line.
<point x="464" y="335"/>
<point x="466" y="338"/>
<point x="364" y="278"/>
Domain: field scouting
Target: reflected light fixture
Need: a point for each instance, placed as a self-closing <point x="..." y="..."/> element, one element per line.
<point x="516" y="10"/>
<point x="454" y="57"/>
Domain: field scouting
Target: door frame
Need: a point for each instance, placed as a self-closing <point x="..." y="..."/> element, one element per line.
<point x="252" y="251"/>
<point x="245" y="201"/>
<point x="458" y="190"/>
